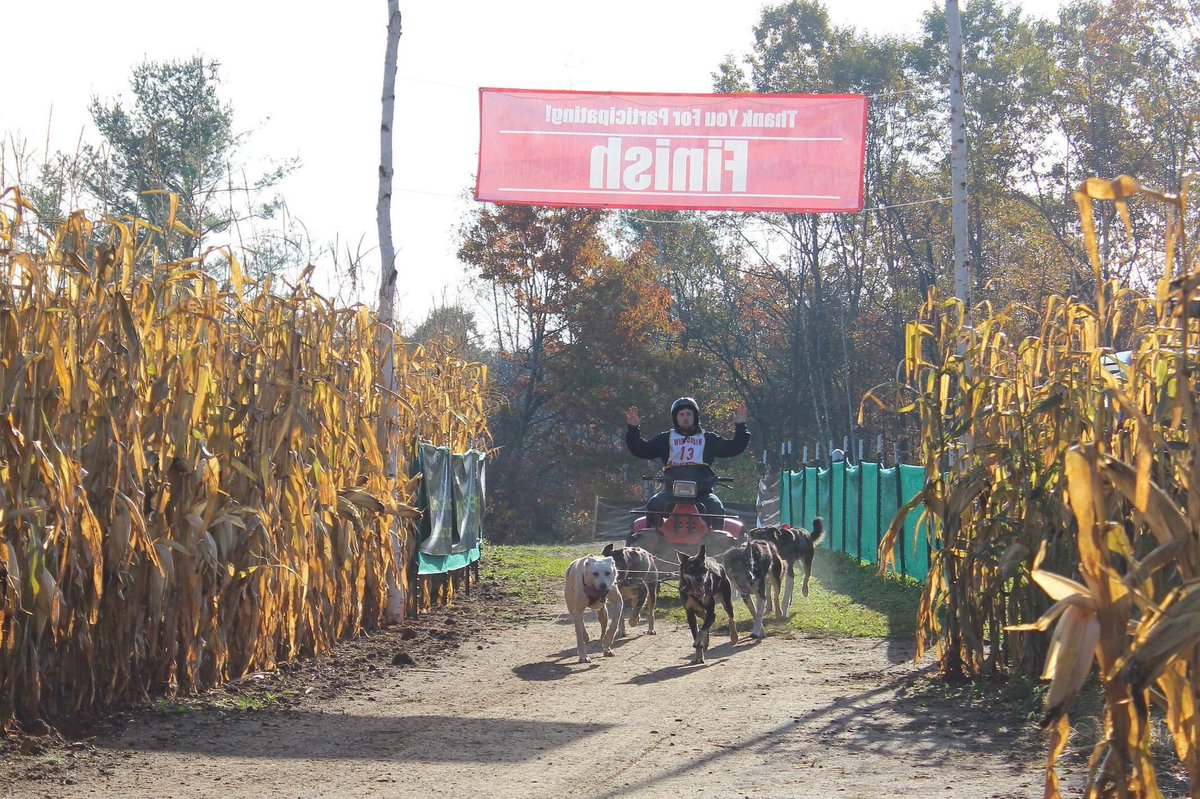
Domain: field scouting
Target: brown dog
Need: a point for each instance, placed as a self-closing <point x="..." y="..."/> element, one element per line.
<point x="702" y="582"/>
<point x="637" y="579"/>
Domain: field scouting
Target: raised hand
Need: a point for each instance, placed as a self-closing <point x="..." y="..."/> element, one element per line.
<point x="631" y="416"/>
<point x="739" y="415"/>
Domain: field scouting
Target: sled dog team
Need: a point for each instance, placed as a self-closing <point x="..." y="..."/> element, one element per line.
<point x="755" y="568"/>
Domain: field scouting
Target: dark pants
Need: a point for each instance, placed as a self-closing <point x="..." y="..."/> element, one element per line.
<point x="659" y="502"/>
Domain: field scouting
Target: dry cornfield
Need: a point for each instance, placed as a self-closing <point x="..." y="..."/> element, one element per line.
<point x="1061" y="491"/>
<point x="193" y="482"/>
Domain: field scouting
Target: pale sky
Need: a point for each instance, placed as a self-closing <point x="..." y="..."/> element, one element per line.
<point x="307" y="78"/>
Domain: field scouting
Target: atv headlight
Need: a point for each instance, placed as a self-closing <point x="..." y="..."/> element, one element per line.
<point x="684" y="488"/>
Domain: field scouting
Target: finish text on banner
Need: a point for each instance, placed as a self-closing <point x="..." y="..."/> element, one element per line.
<point x="730" y="152"/>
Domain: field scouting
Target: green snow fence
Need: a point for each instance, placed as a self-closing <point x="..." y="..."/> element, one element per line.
<point x="889" y="503"/>
<point x="852" y="506"/>
<point x="809" y="510"/>
<point x="912" y="482"/>
<point x="858" y="504"/>
<point x="837" y="506"/>
<point x="868" y="511"/>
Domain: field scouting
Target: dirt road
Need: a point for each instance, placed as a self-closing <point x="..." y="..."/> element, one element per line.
<point x="499" y="709"/>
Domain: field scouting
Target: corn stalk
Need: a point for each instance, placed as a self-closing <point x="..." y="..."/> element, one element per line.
<point x="1061" y="492"/>
<point x="191" y="486"/>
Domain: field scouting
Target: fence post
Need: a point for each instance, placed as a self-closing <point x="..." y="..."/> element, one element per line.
<point x="878" y="505"/>
<point x="803" y="494"/>
<point x="595" y="516"/>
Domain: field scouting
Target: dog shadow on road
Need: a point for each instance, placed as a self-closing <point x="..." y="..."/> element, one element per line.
<point x="549" y="670"/>
<point x="562" y="664"/>
<point x="721" y="653"/>
<point x="661" y="675"/>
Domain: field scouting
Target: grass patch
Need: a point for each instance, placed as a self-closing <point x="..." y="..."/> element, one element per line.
<point x="532" y="574"/>
<point x="845" y="598"/>
<point x="851" y="599"/>
<point x="249" y="704"/>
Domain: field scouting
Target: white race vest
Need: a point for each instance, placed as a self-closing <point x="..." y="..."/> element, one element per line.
<point x="686" y="450"/>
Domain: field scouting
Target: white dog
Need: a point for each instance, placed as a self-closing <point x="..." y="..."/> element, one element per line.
<point x="592" y="580"/>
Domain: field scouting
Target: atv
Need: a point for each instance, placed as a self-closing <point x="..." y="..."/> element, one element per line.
<point x="685" y="525"/>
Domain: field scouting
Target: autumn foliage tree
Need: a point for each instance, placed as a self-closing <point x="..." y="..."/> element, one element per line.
<point x="799" y="315"/>
<point x="581" y="333"/>
<point x="805" y="312"/>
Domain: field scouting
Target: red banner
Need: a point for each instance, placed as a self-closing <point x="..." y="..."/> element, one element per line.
<point x="710" y="152"/>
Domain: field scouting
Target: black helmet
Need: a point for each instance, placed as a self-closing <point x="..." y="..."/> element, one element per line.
<point x="680" y="404"/>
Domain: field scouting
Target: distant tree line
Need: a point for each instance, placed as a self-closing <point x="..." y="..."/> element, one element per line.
<point x="798" y="316"/>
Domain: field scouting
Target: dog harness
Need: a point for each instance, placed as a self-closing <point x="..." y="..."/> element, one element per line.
<point x="686" y="450"/>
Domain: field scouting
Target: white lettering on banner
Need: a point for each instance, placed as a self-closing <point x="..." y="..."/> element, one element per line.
<point x="579" y="115"/>
<point x="657" y="117"/>
<point x="720" y="119"/>
<point x="769" y="119"/>
<point x="692" y="169"/>
<point x="686" y="450"/>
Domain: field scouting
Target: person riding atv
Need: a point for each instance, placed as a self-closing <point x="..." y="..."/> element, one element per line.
<point x="687" y="450"/>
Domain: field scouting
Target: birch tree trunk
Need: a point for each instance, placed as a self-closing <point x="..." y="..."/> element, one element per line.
<point x="387" y="301"/>
<point x="387" y="251"/>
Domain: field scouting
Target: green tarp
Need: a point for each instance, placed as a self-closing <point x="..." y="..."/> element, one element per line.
<point x="440" y="564"/>
<point x="858" y="504"/>
<point x="916" y="552"/>
<point x="853" y="479"/>
<point x="467" y="471"/>
<point x="809" y="496"/>
<point x="889" y="503"/>
<point x="824" y="498"/>
<point x="869" y="510"/>
<point x="452" y="495"/>
<point x="837" y="505"/>
<point x="440" y="533"/>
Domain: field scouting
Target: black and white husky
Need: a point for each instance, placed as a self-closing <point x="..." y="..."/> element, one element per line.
<point x="756" y="570"/>
<point x="795" y="544"/>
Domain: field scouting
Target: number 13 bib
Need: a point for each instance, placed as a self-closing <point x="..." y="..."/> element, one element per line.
<point x="686" y="450"/>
